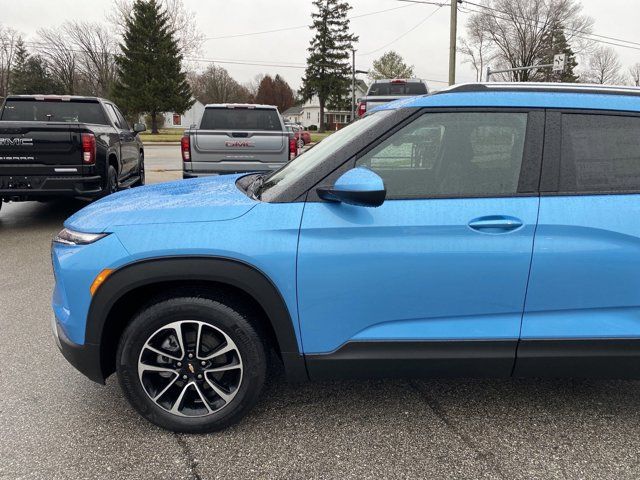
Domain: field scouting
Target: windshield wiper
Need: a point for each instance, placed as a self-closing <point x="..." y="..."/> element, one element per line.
<point x="255" y="186"/>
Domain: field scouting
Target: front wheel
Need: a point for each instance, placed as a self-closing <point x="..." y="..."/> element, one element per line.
<point x="191" y="364"/>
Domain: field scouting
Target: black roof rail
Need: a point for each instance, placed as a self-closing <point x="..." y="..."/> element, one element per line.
<point x="542" y="87"/>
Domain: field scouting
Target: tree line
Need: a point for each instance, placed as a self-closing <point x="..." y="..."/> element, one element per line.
<point x="143" y="59"/>
<point x="140" y="59"/>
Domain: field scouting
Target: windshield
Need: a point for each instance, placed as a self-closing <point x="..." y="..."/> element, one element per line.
<point x="53" y="111"/>
<point x="293" y="171"/>
<point x="241" y="119"/>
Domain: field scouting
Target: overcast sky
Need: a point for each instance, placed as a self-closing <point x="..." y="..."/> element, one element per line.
<point x="426" y="46"/>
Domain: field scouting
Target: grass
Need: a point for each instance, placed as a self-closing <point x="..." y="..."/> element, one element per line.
<point x="170" y="135"/>
<point x="316" y="137"/>
<point x="164" y="135"/>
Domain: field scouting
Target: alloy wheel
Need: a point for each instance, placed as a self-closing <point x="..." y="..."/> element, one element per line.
<point x="190" y="368"/>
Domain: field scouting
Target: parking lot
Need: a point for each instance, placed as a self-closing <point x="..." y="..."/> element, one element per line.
<point x="56" y="424"/>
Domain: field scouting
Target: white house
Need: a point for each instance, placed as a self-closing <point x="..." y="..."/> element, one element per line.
<point x="188" y="118"/>
<point x="334" y="119"/>
<point x="293" y="115"/>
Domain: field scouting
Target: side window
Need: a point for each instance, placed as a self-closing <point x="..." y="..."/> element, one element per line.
<point x="121" y="120"/>
<point x="600" y="153"/>
<point x="112" y="114"/>
<point x="452" y="154"/>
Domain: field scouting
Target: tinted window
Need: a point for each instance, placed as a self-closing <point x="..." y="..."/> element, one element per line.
<point x="600" y="153"/>
<point x="413" y="88"/>
<point x="240" y="119"/>
<point x="121" y="120"/>
<point x="56" y="111"/>
<point x="112" y="115"/>
<point x="452" y="154"/>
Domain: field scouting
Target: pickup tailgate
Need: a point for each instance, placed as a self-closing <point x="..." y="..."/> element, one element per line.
<point x="239" y="144"/>
<point x="373" y="102"/>
<point x="38" y="145"/>
<point x="240" y="133"/>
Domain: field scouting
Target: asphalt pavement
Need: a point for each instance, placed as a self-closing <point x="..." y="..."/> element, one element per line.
<point x="55" y="424"/>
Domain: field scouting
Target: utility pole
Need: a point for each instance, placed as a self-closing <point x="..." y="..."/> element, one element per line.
<point x="453" y="33"/>
<point x="353" y="84"/>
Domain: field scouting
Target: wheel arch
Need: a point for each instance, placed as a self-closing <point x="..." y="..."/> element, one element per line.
<point x="129" y="288"/>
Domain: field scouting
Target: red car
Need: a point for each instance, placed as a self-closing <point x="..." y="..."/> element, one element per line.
<point x="302" y="136"/>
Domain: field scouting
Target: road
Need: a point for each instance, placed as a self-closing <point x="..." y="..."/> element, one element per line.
<point x="55" y="424"/>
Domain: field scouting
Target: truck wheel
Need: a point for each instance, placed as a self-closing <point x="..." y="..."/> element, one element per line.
<point x="300" y="144"/>
<point x="112" y="181"/>
<point x="141" y="181"/>
<point x="191" y="364"/>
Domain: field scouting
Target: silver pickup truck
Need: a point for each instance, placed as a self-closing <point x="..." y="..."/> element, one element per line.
<point x="235" y="138"/>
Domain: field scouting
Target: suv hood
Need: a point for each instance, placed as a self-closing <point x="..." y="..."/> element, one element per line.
<point x="195" y="200"/>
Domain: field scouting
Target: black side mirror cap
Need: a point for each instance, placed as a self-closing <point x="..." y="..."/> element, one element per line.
<point x="360" y="198"/>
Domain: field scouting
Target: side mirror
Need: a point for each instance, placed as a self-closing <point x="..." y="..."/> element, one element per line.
<point x="359" y="186"/>
<point x="139" y="127"/>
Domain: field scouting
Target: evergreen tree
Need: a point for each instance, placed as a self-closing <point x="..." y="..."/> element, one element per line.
<point x="555" y="42"/>
<point x="31" y="74"/>
<point x="328" y="66"/>
<point x="150" y="75"/>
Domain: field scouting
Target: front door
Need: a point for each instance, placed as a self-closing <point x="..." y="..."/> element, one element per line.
<point x="433" y="281"/>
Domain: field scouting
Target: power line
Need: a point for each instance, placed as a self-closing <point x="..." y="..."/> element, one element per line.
<point x="583" y="32"/>
<point x="299" y="27"/>
<point x="405" y="33"/>
<point x="577" y="33"/>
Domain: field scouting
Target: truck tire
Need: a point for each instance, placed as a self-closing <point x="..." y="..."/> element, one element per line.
<point x="111" y="182"/>
<point x="192" y="364"/>
<point x="141" y="171"/>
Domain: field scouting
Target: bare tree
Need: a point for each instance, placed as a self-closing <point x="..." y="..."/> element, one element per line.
<point x="634" y="72"/>
<point x="54" y="46"/>
<point x="96" y="61"/>
<point x="476" y="47"/>
<point x="9" y="39"/>
<point x="604" y="67"/>
<point x="182" y="21"/>
<point x="517" y="30"/>
<point x="215" y="85"/>
<point x="253" y="85"/>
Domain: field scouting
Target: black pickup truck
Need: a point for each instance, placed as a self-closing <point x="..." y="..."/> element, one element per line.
<point x="53" y="146"/>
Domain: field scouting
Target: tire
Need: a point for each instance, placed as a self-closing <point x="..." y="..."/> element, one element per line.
<point x="183" y="401"/>
<point x="141" y="172"/>
<point x="300" y="144"/>
<point x="111" y="185"/>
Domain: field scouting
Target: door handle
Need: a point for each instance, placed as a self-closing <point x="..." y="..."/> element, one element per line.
<point x="495" y="224"/>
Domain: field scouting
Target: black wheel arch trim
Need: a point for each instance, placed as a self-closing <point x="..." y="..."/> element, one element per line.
<point x="223" y="270"/>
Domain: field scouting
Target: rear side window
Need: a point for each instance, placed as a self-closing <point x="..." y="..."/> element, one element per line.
<point x="413" y="88"/>
<point x="240" y="119"/>
<point x="600" y="153"/>
<point x="463" y="154"/>
<point x="56" y="111"/>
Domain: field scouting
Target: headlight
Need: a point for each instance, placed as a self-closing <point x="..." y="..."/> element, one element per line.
<point x="69" y="237"/>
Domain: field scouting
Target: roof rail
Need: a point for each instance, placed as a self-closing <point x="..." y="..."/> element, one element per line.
<point x="542" y="87"/>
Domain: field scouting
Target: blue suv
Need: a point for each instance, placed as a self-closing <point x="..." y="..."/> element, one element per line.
<point x="485" y="230"/>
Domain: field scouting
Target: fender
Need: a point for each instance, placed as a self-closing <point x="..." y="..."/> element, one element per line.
<point x="193" y="268"/>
